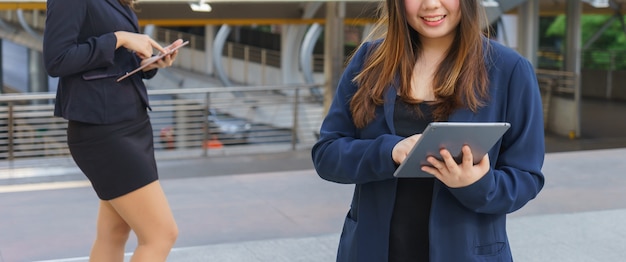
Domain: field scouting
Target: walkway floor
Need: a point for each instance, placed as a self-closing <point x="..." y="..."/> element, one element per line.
<point x="272" y="208"/>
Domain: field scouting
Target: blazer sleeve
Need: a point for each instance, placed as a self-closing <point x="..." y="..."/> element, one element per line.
<point x="341" y="155"/>
<point x="64" y="54"/>
<point x="149" y="74"/>
<point x="516" y="177"/>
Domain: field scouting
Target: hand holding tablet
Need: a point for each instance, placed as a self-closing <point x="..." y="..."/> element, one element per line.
<point x="154" y="59"/>
<point x="480" y="137"/>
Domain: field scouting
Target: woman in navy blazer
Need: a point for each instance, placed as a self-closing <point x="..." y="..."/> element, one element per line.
<point x="431" y="63"/>
<point x="88" y="44"/>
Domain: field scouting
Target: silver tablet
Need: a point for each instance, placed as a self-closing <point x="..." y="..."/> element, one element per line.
<point x="153" y="59"/>
<point x="451" y="135"/>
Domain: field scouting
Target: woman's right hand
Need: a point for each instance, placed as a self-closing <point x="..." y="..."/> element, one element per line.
<point x="402" y="148"/>
<point x="141" y="44"/>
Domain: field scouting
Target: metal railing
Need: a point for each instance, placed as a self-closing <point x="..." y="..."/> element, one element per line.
<point x="554" y="82"/>
<point x="232" y="50"/>
<point x="275" y="118"/>
<point x="611" y="60"/>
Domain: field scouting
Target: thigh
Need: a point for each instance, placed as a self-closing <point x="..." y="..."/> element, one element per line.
<point x="110" y="223"/>
<point x="146" y="211"/>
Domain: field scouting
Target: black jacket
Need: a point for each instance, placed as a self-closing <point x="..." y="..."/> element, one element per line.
<point x="79" y="48"/>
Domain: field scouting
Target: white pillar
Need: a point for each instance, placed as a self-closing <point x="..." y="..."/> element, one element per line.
<point x="291" y="40"/>
<point x="528" y="33"/>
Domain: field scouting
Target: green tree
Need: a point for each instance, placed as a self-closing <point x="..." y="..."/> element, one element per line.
<point x="611" y="42"/>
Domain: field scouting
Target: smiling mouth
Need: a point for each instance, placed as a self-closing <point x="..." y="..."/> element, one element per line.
<point x="434" y="18"/>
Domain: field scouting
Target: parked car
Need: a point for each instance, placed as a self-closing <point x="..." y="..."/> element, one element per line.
<point x="227" y="128"/>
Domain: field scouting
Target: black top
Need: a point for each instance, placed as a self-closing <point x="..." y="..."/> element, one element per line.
<point x="408" y="238"/>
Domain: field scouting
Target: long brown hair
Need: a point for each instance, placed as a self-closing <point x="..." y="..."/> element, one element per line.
<point x="460" y="80"/>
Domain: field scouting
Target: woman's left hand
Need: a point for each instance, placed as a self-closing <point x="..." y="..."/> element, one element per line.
<point x="457" y="175"/>
<point x="166" y="61"/>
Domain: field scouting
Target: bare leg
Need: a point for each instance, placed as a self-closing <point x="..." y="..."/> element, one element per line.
<point x="111" y="237"/>
<point x="147" y="212"/>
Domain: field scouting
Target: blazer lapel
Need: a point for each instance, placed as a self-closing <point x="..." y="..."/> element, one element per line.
<point x="130" y="16"/>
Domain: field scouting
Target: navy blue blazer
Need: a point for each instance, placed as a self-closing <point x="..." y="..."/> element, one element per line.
<point x="79" y="48"/>
<point x="466" y="224"/>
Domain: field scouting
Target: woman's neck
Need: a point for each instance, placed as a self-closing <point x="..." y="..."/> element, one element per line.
<point x="435" y="48"/>
<point x="432" y="53"/>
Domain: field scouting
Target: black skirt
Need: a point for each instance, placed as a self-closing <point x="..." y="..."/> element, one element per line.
<point x="117" y="158"/>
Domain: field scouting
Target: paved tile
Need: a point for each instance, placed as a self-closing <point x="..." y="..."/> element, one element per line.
<point x="293" y="215"/>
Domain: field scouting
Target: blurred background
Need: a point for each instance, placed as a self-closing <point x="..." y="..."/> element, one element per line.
<point x="235" y="117"/>
<point x="263" y="72"/>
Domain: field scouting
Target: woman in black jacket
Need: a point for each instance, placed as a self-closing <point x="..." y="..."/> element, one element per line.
<point x="89" y="44"/>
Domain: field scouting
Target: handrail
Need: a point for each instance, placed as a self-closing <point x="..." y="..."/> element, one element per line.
<point x="276" y="118"/>
<point x="43" y="96"/>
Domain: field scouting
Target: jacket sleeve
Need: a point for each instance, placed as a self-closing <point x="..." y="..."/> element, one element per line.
<point x="63" y="53"/>
<point x="341" y="155"/>
<point x="149" y="74"/>
<point x="515" y="178"/>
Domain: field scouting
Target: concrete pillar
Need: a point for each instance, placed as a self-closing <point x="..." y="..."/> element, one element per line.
<point x="291" y="39"/>
<point x="573" y="55"/>
<point x="508" y="30"/>
<point x="37" y="76"/>
<point x="218" y="45"/>
<point x="573" y="36"/>
<point x="528" y="30"/>
<point x="306" y="52"/>
<point x="367" y="30"/>
<point x="309" y="39"/>
<point x="150" y="30"/>
<point x="1" y="67"/>
<point x="564" y="111"/>
<point x="333" y="49"/>
<point x="209" y="38"/>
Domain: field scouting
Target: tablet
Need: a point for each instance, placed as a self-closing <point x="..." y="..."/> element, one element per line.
<point x="153" y="59"/>
<point x="480" y="137"/>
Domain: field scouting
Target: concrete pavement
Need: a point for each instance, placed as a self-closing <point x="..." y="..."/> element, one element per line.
<point x="242" y="209"/>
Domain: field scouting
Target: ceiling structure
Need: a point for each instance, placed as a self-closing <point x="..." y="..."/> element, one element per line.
<point x="20" y="19"/>
<point x="238" y="13"/>
<point x="247" y="12"/>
